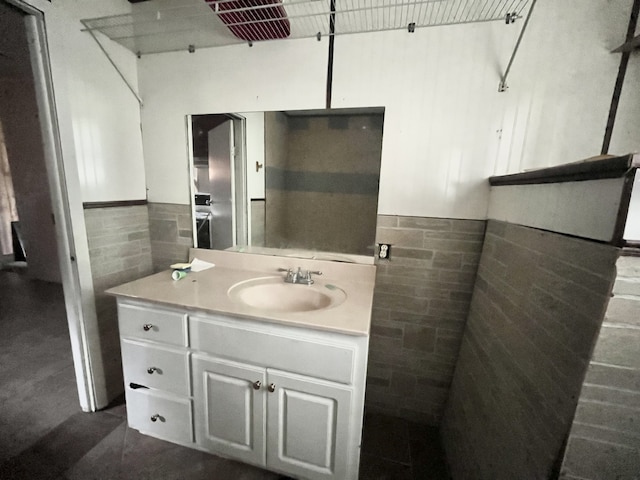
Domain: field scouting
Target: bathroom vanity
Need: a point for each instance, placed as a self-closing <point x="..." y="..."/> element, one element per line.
<point x="234" y="361"/>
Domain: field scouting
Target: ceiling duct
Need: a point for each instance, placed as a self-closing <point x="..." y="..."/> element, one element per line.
<point x="253" y="20"/>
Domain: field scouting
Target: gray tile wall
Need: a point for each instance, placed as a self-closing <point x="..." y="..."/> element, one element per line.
<point x="120" y="251"/>
<point x="537" y="306"/>
<point x="257" y="222"/>
<point x="605" y="436"/>
<point x="171" y="230"/>
<point x="420" y="306"/>
<point x="321" y="191"/>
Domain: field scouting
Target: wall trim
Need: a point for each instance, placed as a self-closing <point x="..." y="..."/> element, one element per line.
<point x="631" y="249"/>
<point x="611" y="167"/>
<point x="118" y="203"/>
<point x="588" y="209"/>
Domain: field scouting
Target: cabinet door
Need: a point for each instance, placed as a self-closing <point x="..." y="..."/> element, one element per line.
<point x="229" y="405"/>
<point x="308" y="425"/>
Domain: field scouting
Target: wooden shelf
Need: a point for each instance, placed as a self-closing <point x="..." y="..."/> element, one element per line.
<point x="591" y="169"/>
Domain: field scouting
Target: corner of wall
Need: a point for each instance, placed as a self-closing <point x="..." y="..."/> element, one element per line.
<point x="119" y="251"/>
<point x="538" y="304"/>
<point x="420" y="306"/>
<point x="171" y="233"/>
<point x="605" y="435"/>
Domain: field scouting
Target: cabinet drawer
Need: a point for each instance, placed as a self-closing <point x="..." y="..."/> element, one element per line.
<point x="152" y="324"/>
<point x="298" y="355"/>
<point x="173" y="417"/>
<point x="157" y="367"/>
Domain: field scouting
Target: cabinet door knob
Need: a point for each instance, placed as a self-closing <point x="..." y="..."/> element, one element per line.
<point x="147" y="326"/>
<point x="272" y="387"/>
<point x="155" y="417"/>
<point x="150" y="370"/>
<point x="257" y="385"/>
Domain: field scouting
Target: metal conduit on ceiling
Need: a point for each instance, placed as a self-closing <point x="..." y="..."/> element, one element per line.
<point x="155" y="27"/>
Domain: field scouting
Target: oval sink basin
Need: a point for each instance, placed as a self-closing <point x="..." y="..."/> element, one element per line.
<point x="274" y="295"/>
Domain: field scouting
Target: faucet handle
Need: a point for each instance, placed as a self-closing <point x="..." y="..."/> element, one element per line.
<point x="307" y="279"/>
<point x="290" y="276"/>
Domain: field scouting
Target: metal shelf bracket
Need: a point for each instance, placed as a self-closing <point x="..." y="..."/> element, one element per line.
<point x="104" y="50"/>
<point x="503" y="86"/>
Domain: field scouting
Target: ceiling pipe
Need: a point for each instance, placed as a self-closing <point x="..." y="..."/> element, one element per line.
<point x="332" y="31"/>
<point x="622" y="71"/>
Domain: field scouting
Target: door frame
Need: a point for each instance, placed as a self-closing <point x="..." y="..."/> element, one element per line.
<point x="238" y="182"/>
<point x="79" y="305"/>
<point x="240" y="195"/>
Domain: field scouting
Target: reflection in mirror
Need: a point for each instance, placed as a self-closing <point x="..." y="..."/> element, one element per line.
<point x="219" y="180"/>
<point x="302" y="180"/>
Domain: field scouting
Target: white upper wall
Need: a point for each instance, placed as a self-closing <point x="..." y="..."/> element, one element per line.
<point x="562" y="83"/>
<point x="446" y="127"/>
<point x="443" y="111"/>
<point x="268" y="76"/>
<point x="99" y="117"/>
<point x="627" y="127"/>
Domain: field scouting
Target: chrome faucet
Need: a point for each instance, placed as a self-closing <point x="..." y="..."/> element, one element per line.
<point x="300" y="276"/>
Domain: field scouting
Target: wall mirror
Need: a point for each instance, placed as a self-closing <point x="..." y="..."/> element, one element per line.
<point x="295" y="180"/>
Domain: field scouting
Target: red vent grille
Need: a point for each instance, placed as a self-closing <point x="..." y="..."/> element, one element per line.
<point x="253" y="20"/>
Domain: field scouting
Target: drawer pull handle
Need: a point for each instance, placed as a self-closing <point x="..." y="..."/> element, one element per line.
<point x="150" y="370"/>
<point x="257" y="385"/>
<point x="147" y="326"/>
<point x="272" y="387"/>
<point x="157" y="417"/>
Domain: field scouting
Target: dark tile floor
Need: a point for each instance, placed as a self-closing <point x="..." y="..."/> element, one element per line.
<point x="393" y="448"/>
<point x="44" y="435"/>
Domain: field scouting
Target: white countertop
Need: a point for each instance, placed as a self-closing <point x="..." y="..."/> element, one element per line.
<point x="207" y="290"/>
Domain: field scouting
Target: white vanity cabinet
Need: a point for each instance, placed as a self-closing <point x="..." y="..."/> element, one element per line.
<point x="155" y="362"/>
<point x="286" y="398"/>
